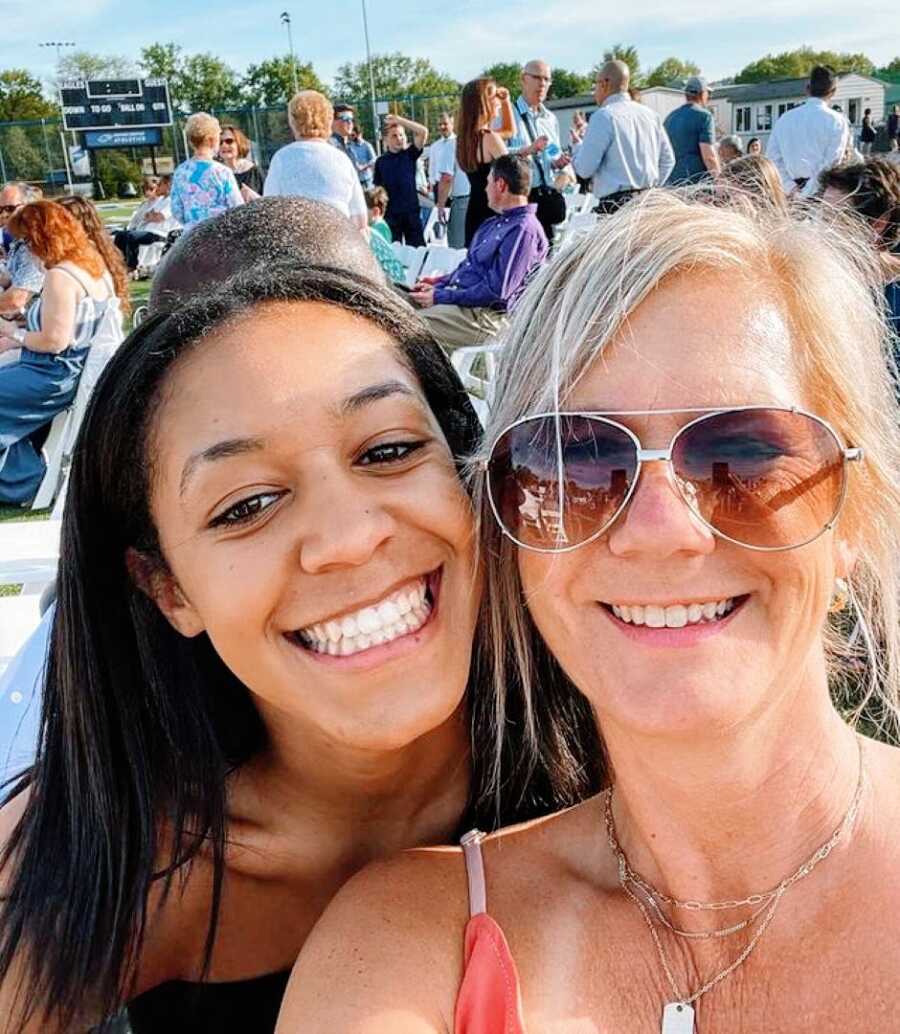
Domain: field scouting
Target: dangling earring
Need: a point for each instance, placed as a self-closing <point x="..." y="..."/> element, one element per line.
<point x="841" y="596"/>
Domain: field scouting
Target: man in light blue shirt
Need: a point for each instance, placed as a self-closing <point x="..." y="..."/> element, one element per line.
<point x="625" y="149"/>
<point x="537" y="130"/>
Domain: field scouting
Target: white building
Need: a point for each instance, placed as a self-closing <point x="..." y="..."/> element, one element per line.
<point x="662" y="99"/>
<point x="751" y="109"/>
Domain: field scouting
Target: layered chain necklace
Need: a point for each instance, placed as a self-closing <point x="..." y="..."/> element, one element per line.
<point x="678" y="1015"/>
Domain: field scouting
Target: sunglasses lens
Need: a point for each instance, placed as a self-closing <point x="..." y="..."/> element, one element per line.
<point x="555" y="483"/>
<point x="762" y="477"/>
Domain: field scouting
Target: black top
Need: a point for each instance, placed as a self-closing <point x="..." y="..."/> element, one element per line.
<point x="251" y="178"/>
<point x="478" y="210"/>
<point x="234" y="1007"/>
<point x="396" y="172"/>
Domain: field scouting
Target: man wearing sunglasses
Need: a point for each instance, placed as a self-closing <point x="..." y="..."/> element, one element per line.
<point x="24" y="276"/>
<point x="342" y="129"/>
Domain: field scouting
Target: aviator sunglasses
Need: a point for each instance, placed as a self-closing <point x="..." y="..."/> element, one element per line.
<point x="758" y="476"/>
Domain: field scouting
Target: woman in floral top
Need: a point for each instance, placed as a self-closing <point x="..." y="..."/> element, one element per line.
<point x="202" y="187"/>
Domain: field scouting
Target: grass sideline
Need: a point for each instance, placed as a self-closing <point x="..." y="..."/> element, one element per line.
<point x="140" y="292"/>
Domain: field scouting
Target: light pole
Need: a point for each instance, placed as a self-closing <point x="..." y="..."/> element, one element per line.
<point x="58" y="44"/>
<point x="375" y="133"/>
<point x="286" y="21"/>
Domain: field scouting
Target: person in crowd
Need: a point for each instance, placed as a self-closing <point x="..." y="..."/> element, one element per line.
<point x="450" y="183"/>
<point x="152" y="221"/>
<point x="363" y="156"/>
<point x="482" y="104"/>
<point x="309" y="167"/>
<point x="537" y="137"/>
<point x="688" y="562"/>
<point x="752" y="178"/>
<point x="867" y="133"/>
<point x="625" y="149"/>
<point x="811" y="137"/>
<point x="730" y="148"/>
<point x="293" y="230"/>
<point x="376" y="204"/>
<point x="871" y="189"/>
<point x="203" y="188"/>
<point x="85" y="211"/>
<point x="893" y="127"/>
<point x="23" y="278"/>
<point x="342" y="121"/>
<point x="235" y="152"/>
<point x="754" y="145"/>
<point x="78" y="302"/>
<point x="261" y="656"/>
<point x="692" y="131"/>
<point x="470" y="304"/>
<point x="395" y="170"/>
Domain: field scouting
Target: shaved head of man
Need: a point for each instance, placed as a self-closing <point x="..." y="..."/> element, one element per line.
<point x="613" y="77"/>
<point x="536" y="82"/>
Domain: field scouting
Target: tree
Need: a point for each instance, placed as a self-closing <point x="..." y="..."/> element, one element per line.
<point x="508" y="74"/>
<point x="82" y="64"/>
<point x="272" y="81"/>
<point x="671" y="71"/>
<point x="22" y="157"/>
<point x="621" y="52"/>
<point x="21" y="97"/>
<point x="570" y="84"/>
<point x="396" y="75"/>
<point x="197" y="82"/>
<point x="892" y="68"/>
<point x="796" y="64"/>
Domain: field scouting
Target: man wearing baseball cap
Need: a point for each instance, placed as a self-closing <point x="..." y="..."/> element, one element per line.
<point x="692" y="130"/>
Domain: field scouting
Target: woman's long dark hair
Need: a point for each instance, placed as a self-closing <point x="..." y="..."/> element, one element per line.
<point x="141" y="726"/>
<point x="475" y="115"/>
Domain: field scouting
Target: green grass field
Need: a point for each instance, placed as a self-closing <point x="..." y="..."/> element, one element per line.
<point x="140" y="291"/>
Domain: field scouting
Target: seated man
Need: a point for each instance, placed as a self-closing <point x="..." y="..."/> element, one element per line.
<point x="469" y="305"/>
<point x="24" y="276"/>
<point x="152" y="221"/>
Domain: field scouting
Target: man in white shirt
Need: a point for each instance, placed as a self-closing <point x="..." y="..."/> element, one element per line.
<point x="151" y="223"/>
<point x="810" y="138"/>
<point x="448" y="181"/>
<point x="625" y="149"/>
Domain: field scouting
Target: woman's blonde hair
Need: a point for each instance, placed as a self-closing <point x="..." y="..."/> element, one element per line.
<point x="755" y="177"/>
<point x="828" y="278"/>
<point x="310" y="114"/>
<point x="200" y="128"/>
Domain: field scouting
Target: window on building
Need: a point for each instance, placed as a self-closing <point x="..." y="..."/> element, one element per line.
<point x="742" y="120"/>
<point x="854" y="111"/>
<point x="764" y="118"/>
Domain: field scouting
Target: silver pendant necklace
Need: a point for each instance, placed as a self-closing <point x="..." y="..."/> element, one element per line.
<point x="678" y="1016"/>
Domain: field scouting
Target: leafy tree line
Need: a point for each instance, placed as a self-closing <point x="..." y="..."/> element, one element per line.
<point x="203" y="81"/>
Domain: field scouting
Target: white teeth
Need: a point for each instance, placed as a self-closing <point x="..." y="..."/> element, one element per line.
<point x="398" y="615"/>
<point x="678" y="615"/>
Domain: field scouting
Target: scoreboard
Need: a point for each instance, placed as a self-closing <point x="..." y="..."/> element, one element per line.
<point x="115" y="103"/>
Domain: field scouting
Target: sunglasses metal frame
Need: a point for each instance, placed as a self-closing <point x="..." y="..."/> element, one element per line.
<point x="849" y="454"/>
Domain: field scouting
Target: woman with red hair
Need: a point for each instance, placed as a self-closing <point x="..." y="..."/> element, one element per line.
<point x="78" y="306"/>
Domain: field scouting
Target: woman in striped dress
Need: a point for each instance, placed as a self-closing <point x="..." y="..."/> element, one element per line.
<point x="78" y="304"/>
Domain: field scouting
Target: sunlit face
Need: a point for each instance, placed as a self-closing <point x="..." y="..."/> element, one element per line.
<point x="445" y="126"/>
<point x="754" y="147"/>
<point x="228" y="149"/>
<point x="685" y="681"/>
<point x="496" y="190"/>
<point x="536" y="82"/>
<point x="396" y="139"/>
<point x="313" y="522"/>
<point x="10" y="200"/>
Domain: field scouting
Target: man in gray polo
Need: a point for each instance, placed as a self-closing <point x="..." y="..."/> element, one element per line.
<point x="692" y="131"/>
<point x="537" y="129"/>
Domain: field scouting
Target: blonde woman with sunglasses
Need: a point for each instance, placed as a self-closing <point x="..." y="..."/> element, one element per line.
<point x="689" y="493"/>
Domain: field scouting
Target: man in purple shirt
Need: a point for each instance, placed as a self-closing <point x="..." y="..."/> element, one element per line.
<point x="470" y="304"/>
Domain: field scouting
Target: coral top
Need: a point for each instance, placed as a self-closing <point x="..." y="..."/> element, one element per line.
<point x="489" y="1001"/>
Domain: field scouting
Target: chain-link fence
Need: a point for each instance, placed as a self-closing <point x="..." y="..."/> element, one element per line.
<point x="40" y="152"/>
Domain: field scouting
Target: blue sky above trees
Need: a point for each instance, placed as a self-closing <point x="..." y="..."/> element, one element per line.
<point x="467" y="37"/>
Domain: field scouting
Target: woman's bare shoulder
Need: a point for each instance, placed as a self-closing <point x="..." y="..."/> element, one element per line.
<point x="361" y="969"/>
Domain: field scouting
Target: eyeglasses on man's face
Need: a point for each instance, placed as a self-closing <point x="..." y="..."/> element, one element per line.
<point x="541" y="78"/>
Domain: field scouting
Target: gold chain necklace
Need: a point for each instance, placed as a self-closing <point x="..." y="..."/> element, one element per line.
<point x="678" y="1015"/>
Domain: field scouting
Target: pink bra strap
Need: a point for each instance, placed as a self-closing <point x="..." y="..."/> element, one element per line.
<point x="471" y="845"/>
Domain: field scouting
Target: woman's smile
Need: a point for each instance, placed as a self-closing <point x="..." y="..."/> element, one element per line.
<point x="674" y="624"/>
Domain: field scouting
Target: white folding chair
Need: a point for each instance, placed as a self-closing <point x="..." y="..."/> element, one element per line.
<point x="429" y="231"/>
<point x="412" y="258"/>
<point x="64" y="429"/>
<point x="29" y="552"/>
<point x="479" y="383"/>
<point x="150" y="255"/>
<point x="440" y="261"/>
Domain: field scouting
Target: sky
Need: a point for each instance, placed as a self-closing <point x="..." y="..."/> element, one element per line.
<point x="469" y="36"/>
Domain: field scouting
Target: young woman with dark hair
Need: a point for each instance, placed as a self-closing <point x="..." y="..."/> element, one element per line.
<point x="262" y="671"/>
<point x="478" y="143"/>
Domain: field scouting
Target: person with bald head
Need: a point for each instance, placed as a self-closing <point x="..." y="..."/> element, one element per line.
<point x="537" y="136"/>
<point x="306" y="232"/>
<point x="625" y="149"/>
